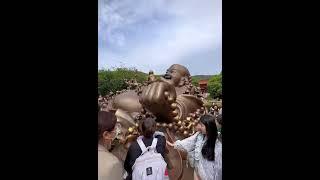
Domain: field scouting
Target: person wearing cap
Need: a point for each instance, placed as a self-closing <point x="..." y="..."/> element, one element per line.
<point x="109" y="166"/>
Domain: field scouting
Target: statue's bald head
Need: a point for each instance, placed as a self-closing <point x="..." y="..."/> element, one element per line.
<point x="182" y="70"/>
<point x="177" y="75"/>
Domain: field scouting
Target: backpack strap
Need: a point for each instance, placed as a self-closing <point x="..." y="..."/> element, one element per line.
<point x="144" y="148"/>
<point x="158" y="133"/>
<point x="141" y="145"/>
<point x="154" y="143"/>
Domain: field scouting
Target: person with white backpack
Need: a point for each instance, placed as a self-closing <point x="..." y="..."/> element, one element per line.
<point x="145" y="157"/>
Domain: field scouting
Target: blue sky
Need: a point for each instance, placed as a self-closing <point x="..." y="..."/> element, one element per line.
<point x="153" y="34"/>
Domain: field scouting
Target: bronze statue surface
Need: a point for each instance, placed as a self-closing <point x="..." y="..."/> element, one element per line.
<point x="172" y="99"/>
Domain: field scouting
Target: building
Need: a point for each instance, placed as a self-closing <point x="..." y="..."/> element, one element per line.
<point x="203" y="84"/>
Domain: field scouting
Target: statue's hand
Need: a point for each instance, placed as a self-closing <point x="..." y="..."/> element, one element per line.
<point x="157" y="97"/>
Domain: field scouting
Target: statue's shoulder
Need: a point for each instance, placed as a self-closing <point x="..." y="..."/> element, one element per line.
<point x="128" y="101"/>
<point x="188" y="97"/>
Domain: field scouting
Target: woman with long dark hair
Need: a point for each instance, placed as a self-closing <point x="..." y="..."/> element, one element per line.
<point x="204" y="150"/>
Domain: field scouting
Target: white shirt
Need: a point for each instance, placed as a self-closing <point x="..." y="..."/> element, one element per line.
<point x="207" y="170"/>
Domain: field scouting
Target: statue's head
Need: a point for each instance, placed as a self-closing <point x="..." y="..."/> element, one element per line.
<point x="177" y="75"/>
<point x="150" y="72"/>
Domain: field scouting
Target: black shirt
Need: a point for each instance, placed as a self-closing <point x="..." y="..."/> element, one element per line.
<point x="134" y="152"/>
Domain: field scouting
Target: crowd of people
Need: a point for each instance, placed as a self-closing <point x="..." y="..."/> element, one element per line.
<point x="145" y="157"/>
<point x="216" y="111"/>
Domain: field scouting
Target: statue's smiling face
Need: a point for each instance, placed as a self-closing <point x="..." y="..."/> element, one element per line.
<point x="175" y="74"/>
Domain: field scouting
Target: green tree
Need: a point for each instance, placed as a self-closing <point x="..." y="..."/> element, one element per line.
<point x="215" y="86"/>
<point x="114" y="80"/>
<point x="195" y="81"/>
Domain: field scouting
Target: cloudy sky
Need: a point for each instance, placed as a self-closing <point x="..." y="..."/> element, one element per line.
<point x="153" y="34"/>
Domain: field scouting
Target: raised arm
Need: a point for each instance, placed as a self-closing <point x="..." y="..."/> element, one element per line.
<point x="187" y="144"/>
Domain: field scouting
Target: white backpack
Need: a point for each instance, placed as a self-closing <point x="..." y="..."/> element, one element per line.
<point x="150" y="165"/>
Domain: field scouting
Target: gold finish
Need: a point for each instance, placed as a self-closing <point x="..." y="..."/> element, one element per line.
<point x="175" y="112"/>
<point x="164" y="125"/>
<point x="166" y="94"/>
<point x="174" y="105"/>
<point x="185" y="133"/>
<point x="170" y="99"/>
<point x="130" y="130"/>
<point x="163" y="98"/>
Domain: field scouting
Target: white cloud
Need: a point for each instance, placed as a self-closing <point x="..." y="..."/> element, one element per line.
<point x="194" y="25"/>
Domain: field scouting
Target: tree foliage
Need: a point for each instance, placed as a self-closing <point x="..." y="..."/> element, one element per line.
<point x="215" y="86"/>
<point x="195" y="81"/>
<point x="114" y="80"/>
